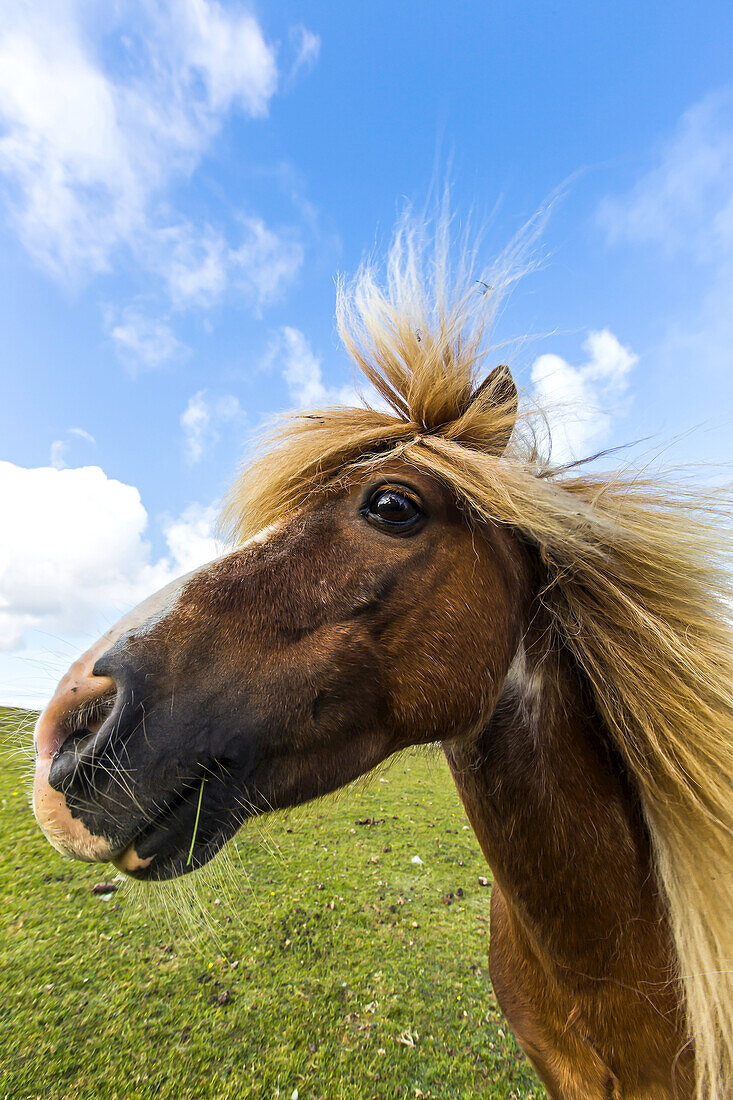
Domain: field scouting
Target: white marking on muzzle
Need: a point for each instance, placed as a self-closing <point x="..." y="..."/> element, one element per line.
<point x="79" y="686"/>
<point x="129" y="861"/>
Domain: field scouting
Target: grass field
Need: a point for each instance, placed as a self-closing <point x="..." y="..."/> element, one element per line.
<point x="316" y="962"/>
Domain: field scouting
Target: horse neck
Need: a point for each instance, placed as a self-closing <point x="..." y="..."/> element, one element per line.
<point x="560" y="823"/>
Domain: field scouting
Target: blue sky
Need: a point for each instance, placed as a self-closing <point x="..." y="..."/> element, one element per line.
<point x="181" y="182"/>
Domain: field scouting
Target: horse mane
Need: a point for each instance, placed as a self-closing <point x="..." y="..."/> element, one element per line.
<point x="638" y="575"/>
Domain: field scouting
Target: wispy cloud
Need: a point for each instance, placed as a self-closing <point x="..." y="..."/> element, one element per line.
<point x="142" y="342"/>
<point x="226" y="49"/>
<point x="199" y="267"/>
<point x="57" y="454"/>
<point x="101" y="112"/>
<point x="59" y="450"/>
<point x="684" y="203"/>
<point x="193" y="264"/>
<point x="303" y="372"/>
<point x="265" y="261"/>
<point x="582" y="401"/>
<point x="307" y="47"/>
<point x="683" y="206"/>
<point x="203" y="419"/>
<point x="82" y="434"/>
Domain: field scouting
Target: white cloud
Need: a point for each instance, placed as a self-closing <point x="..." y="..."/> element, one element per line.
<point x="60" y="447"/>
<point x="683" y="207"/>
<point x="581" y="401"/>
<point x="307" y="50"/>
<point x="227" y="50"/>
<point x="143" y="343"/>
<point x="83" y="434"/>
<point x="103" y="109"/>
<point x="75" y="548"/>
<point x="196" y="268"/>
<point x="202" y="419"/>
<point x="57" y="454"/>
<point x="199" y="267"/>
<point x="190" y="538"/>
<point x="265" y="261"/>
<point x="685" y="202"/>
<point x="80" y="188"/>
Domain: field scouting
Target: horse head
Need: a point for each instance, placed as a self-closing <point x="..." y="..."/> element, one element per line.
<point x="374" y="616"/>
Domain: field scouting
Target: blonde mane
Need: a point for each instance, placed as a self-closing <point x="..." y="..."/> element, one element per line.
<point x="638" y="577"/>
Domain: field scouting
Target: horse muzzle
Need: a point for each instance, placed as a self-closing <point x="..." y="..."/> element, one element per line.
<point x="103" y="791"/>
<point x="93" y="803"/>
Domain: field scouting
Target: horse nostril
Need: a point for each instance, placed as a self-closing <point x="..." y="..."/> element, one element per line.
<point x="82" y="727"/>
<point x="64" y="765"/>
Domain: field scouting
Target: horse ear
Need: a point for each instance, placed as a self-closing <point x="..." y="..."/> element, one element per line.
<point x="499" y="390"/>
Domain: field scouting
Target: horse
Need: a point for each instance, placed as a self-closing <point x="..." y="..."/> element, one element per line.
<point x="417" y="570"/>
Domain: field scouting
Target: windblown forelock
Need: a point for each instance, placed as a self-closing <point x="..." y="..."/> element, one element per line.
<point x="421" y="341"/>
<point x="310" y="454"/>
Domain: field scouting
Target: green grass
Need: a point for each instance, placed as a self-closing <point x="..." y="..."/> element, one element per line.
<point x="316" y="957"/>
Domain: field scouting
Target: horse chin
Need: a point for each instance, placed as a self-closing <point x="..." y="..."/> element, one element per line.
<point x="165" y="864"/>
<point x="176" y="844"/>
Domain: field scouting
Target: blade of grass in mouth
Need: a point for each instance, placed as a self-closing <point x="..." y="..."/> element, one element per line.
<point x="196" y="823"/>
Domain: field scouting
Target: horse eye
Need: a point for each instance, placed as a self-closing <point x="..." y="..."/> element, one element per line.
<point x="392" y="510"/>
